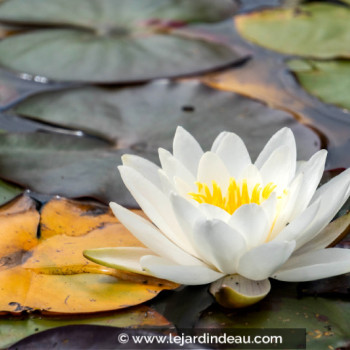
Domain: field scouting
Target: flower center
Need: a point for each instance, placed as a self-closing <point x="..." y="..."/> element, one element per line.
<point x="236" y="194"/>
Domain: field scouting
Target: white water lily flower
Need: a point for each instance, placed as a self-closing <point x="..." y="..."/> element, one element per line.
<point x="216" y="213"/>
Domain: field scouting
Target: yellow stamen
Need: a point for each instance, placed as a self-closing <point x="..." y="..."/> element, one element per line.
<point x="268" y="190"/>
<point x="236" y="194"/>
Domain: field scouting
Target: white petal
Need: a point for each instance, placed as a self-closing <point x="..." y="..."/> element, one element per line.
<point x="270" y="206"/>
<point x="189" y="275"/>
<point x="213" y="212"/>
<point x="288" y="203"/>
<point x="278" y="168"/>
<point x="148" y="169"/>
<point x="173" y="167"/>
<point x="187" y="150"/>
<point x="332" y="185"/>
<point x="210" y="168"/>
<point x="219" y="243"/>
<point x="300" y="165"/>
<point x="315" y="265"/>
<point x="331" y="200"/>
<point x="186" y="214"/>
<point x="262" y="261"/>
<point x="299" y="225"/>
<point x="280" y="138"/>
<point x="252" y="175"/>
<point x="155" y="205"/>
<point x="251" y="221"/>
<point x="234" y="154"/>
<point x="122" y="258"/>
<point x="151" y="237"/>
<point x="327" y="236"/>
<point x="313" y="171"/>
<point x="218" y="140"/>
<point x="166" y="186"/>
<point x="183" y="188"/>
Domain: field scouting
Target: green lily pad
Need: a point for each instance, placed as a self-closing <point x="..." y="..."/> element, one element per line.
<point x="113" y="41"/>
<point x="145" y="118"/>
<point x="14" y="89"/>
<point x="8" y="192"/>
<point x="135" y="120"/>
<point x="325" y="320"/>
<point x="61" y="164"/>
<point x="315" y="30"/>
<point x="96" y="338"/>
<point x="327" y="80"/>
<point x="15" y="329"/>
<point x="96" y="14"/>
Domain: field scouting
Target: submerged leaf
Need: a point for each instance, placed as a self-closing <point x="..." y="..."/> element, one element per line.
<point x="337" y="286"/>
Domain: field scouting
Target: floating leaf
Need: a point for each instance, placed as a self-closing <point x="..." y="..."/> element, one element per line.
<point x="62" y="217"/>
<point x="136" y="120"/>
<point x="266" y="78"/>
<point x="315" y="30"/>
<point x="109" y="41"/>
<point x="326" y="321"/>
<point x="6" y="31"/>
<point x="95" y="15"/>
<point x="328" y="80"/>
<point x="94" y="337"/>
<point x="144" y="118"/>
<point x="65" y="165"/>
<point x="250" y="5"/>
<point x="13" y="330"/>
<point x="14" y="88"/>
<point x="8" y="192"/>
<point x="50" y="273"/>
<point x="3" y="32"/>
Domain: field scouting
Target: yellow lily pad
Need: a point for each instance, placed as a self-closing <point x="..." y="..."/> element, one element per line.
<point x="50" y="274"/>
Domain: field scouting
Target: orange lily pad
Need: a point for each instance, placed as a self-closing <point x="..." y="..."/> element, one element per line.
<point x="43" y="268"/>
